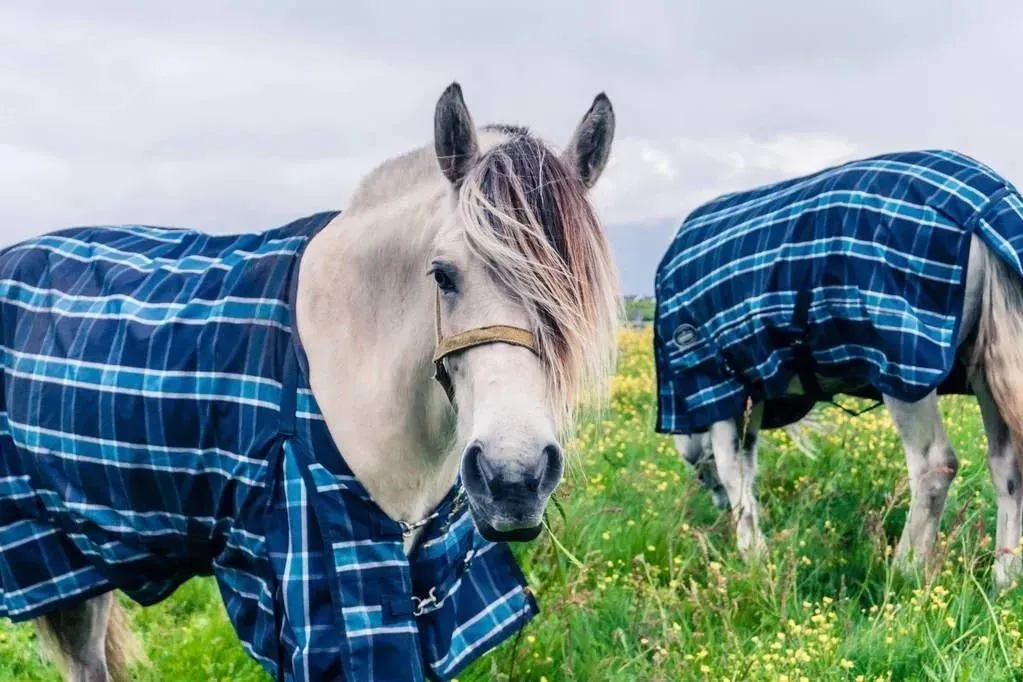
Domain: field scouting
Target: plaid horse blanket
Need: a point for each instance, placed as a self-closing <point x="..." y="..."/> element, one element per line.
<point x="856" y="271"/>
<point x="156" y="423"/>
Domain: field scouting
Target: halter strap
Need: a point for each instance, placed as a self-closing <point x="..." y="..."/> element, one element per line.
<point x="498" y="333"/>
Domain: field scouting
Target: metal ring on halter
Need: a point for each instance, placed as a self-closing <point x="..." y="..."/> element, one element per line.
<point x="498" y="333"/>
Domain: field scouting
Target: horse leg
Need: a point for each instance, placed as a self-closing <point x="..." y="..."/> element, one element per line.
<point x="932" y="466"/>
<point x="736" y="457"/>
<point x="77" y="637"/>
<point x="698" y="452"/>
<point x="1003" y="463"/>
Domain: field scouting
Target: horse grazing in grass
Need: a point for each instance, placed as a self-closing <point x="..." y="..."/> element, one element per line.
<point x="175" y="404"/>
<point x="896" y="277"/>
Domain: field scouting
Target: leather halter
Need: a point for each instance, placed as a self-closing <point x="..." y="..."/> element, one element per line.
<point x="480" y="336"/>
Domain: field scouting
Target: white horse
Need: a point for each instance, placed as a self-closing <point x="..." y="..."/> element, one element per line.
<point x="988" y="344"/>
<point x="478" y="258"/>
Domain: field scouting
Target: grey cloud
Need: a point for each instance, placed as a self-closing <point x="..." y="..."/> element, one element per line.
<point x="228" y="115"/>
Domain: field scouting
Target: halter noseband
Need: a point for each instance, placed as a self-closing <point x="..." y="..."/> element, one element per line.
<point x="480" y="336"/>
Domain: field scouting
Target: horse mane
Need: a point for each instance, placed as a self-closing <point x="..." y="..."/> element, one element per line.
<point x="526" y="214"/>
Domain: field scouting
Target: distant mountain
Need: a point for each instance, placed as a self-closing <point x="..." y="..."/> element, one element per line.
<point x="638" y="248"/>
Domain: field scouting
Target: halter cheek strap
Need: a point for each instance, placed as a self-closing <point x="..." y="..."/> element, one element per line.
<point x="480" y="336"/>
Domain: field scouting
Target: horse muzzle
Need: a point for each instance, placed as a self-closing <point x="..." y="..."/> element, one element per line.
<point x="507" y="501"/>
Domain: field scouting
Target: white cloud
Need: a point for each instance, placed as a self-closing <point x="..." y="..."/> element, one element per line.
<point x="788" y="154"/>
<point x="647" y="180"/>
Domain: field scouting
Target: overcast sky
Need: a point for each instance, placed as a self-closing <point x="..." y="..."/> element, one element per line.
<point x="243" y="115"/>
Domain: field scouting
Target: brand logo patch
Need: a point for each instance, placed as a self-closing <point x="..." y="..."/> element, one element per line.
<point x="684" y="336"/>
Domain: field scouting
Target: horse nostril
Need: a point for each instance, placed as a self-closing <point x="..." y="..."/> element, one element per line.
<point x="476" y="475"/>
<point x="552" y="466"/>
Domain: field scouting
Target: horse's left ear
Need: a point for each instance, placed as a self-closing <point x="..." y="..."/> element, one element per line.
<point x="591" y="143"/>
<point x="454" y="135"/>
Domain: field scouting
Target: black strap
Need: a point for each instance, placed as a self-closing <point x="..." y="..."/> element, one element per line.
<point x="440" y="373"/>
<point x="854" y="413"/>
<point x="805" y="365"/>
<point x="289" y="392"/>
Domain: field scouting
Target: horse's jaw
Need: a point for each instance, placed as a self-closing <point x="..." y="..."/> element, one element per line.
<point x="369" y="352"/>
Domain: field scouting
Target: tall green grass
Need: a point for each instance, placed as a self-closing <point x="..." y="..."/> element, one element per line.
<point x="643" y="581"/>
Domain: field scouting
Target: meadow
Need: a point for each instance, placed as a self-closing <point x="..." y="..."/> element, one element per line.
<point x="638" y="578"/>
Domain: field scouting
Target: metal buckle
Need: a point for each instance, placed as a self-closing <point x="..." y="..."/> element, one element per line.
<point x="419" y="606"/>
<point x="423" y="605"/>
<point x="408" y="529"/>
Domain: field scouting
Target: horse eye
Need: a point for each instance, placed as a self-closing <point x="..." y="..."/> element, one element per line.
<point x="443" y="280"/>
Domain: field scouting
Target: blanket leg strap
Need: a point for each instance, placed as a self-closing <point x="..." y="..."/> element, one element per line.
<point x="805" y="365"/>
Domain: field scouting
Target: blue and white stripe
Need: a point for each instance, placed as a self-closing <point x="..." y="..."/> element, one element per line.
<point x="864" y="262"/>
<point x="143" y="372"/>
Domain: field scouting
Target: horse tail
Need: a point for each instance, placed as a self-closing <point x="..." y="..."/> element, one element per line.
<point x="123" y="648"/>
<point x="998" y="351"/>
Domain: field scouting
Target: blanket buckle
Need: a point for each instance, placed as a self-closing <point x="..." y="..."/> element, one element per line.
<point x="421" y="605"/>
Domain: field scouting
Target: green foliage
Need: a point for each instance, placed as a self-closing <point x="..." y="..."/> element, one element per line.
<point x="639" y="309"/>
<point x="187" y="638"/>
<point x="663" y="595"/>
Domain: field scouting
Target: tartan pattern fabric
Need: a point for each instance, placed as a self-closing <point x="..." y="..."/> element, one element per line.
<point x="853" y="271"/>
<point x="156" y="423"/>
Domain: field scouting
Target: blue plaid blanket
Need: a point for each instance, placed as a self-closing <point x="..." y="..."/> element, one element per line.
<point x="856" y="271"/>
<point x="156" y="423"/>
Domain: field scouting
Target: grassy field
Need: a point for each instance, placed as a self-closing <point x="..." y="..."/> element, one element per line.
<point x="643" y="582"/>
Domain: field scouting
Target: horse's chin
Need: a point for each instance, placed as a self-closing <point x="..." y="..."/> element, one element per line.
<point x="518" y="535"/>
<point x="511" y="534"/>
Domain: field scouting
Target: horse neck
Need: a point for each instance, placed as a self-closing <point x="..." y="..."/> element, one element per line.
<point x="366" y="320"/>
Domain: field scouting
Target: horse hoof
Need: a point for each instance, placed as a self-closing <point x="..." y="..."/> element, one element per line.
<point x="1007" y="571"/>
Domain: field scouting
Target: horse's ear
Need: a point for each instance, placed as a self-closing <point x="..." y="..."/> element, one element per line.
<point x="591" y="143"/>
<point x="454" y="135"/>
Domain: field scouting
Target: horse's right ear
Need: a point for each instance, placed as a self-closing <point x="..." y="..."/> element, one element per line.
<point x="454" y="135"/>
